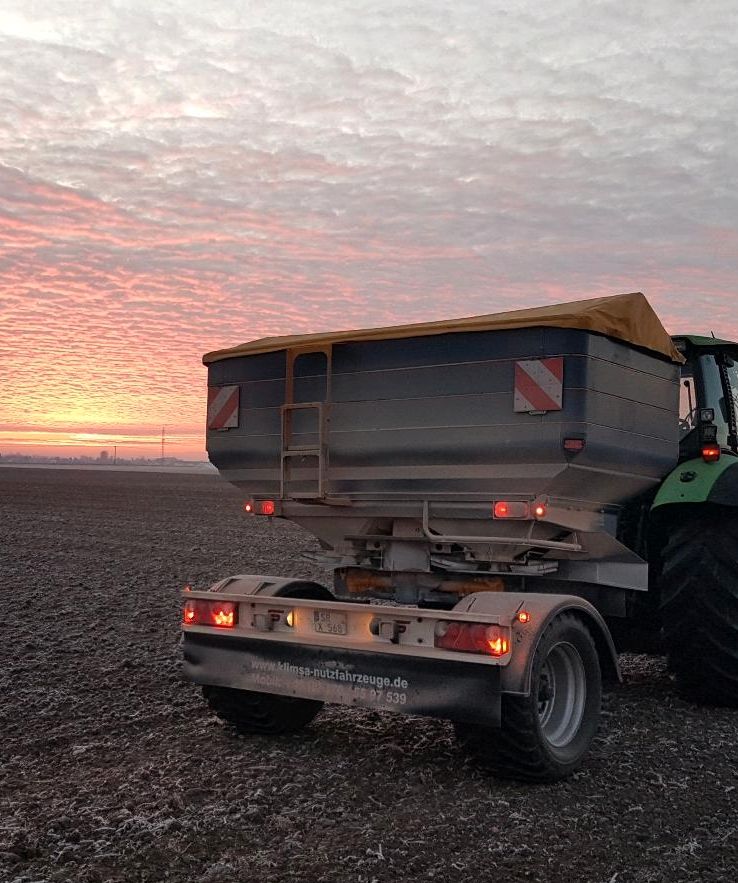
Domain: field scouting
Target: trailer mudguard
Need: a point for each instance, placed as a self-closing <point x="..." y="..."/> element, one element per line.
<point x="411" y="680"/>
<point x="696" y="481"/>
<point x="409" y="685"/>
<point x="542" y="610"/>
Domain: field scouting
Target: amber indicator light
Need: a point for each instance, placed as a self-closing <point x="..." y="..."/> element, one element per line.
<point x="224" y="615"/>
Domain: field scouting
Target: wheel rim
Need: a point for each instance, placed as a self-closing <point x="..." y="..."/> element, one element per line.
<point x="562" y="693"/>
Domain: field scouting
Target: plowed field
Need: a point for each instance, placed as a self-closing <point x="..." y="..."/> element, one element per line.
<point x="112" y="768"/>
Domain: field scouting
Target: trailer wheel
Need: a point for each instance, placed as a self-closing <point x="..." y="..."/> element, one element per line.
<point x="545" y="735"/>
<point x="699" y="609"/>
<point x="268" y="714"/>
<point x="261" y="713"/>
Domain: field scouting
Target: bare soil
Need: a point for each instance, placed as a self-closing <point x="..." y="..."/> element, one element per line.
<point x="112" y="768"/>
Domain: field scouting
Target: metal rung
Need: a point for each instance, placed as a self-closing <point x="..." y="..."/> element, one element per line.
<point x="318" y="452"/>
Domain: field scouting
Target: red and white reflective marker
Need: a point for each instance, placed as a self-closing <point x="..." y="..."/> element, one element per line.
<point x="539" y="384"/>
<point x="222" y="407"/>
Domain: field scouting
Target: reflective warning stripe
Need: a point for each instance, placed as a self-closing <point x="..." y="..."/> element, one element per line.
<point x="222" y="407"/>
<point x="539" y="384"/>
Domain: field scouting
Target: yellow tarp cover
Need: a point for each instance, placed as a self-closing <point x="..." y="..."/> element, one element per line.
<point x="627" y="317"/>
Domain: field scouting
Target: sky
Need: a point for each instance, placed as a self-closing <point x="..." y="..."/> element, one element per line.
<point x="177" y="177"/>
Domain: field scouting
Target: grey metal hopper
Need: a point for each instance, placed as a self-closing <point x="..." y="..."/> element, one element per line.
<point x="435" y="417"/>
<point x="352" y="435"/>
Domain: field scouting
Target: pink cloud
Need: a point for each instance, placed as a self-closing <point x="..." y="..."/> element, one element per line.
<point x="178" y="183"/>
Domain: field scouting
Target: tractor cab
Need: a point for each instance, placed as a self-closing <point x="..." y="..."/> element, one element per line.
<point x="708" y="400"/>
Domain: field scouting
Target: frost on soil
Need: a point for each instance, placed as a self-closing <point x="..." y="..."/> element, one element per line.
<point x="112" y="768"/>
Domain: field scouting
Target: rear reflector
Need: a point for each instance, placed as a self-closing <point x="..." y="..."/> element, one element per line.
<point x="710" y="453"/>
<point x="472" y="637"/>
<point x="267" y="507"/>
<point x="506" y="509"/>
<point x="221" y="614"/>
<point x="574" y="445"/>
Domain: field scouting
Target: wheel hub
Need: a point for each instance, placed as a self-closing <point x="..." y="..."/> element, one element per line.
<point x="562" y="693"/>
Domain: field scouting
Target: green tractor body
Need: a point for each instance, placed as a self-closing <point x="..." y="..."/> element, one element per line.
<point x="693" y="529"/>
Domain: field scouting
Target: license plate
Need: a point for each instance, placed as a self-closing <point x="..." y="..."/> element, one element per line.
<point x="329" y="622"/>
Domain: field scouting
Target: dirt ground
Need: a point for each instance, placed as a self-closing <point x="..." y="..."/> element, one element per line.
<point x="112" y="768"/>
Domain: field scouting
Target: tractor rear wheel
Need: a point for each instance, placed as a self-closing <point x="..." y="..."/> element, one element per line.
<point x="545" y="735"/>
<point x="699" y="609"/>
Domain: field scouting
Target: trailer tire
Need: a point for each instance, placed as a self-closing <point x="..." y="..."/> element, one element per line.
<point x="699" y="609"/>
<point x="268" y="714"/>
<point x="545" y="735"/>
<point x="263" y="714"/>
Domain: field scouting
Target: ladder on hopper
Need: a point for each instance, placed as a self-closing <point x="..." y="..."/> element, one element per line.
<point x="292" y="451"/>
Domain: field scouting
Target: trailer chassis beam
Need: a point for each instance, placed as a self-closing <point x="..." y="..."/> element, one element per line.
<point x="496" y="541"/>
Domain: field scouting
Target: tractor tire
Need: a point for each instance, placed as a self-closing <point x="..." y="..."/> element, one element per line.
<point x="544" y="736"/>
<point x="263" y="714"/>
<point x="699" y="609"/>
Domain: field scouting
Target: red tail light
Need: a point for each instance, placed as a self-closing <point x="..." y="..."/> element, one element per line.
<point x="262" y="507"/>
<point x="505" y="509"/>
<point x="221" y="614"/>
<point x="539" y="510"/>
<point x="472" y="637"/>
<point x="710" y="453"/>
<point x="574" y="445"/>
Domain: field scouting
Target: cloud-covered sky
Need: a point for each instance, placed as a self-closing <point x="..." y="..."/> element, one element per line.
<point x="181" y="176"/>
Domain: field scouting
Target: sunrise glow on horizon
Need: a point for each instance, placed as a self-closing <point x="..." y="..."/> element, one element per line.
<point x="175" y="180"/>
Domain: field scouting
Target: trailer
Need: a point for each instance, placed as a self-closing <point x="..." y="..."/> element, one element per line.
<point x="500" y="501"/>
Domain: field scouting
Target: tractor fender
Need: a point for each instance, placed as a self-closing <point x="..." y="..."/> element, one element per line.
<point x="542" y="609"/>
<point x="272" y="586"/>
<point x="696" y="481"/>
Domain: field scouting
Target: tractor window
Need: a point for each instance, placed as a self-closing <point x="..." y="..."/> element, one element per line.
<point x="687" y="403"/>
<point x="714" y="397"/>
<point x="733" y="380"/>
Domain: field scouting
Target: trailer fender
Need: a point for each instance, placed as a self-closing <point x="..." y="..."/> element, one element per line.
<point x="272" y="586"/>
<point x="696" y="481"/>
<point x="541" y="609"/>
